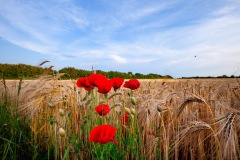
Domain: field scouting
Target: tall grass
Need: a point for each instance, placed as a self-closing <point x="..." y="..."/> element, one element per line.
<point x="14" y="133"/>
<point x="174" y="120"/>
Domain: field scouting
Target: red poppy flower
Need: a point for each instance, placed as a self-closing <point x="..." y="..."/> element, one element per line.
<point x="93" y="78"/>
<point x="117" y="82"/>
<point x="103" y="134"/>
<point x="125" y="119"/>
<point x="83" y="82"/>
<point x="132" y="84"/>
<point x="151" y="132"/>
<point x="102" y="109"/>
<point x="104" y="85"/>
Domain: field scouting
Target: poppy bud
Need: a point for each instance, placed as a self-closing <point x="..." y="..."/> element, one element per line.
<point x="133" y="100"/>
<point x="50" y="105"/>
<point x="127" y="110"/>
<point x="61" y="112"/>
<point x="61" y="132"/>
<point x="133" y="111"/>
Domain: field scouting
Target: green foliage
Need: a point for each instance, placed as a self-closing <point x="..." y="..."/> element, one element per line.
<point x="18" y="71"/>
<point x="76" y="73"/>
<point x="73" y="73"/>
<point x="23" y="71"/>
<point x="15" y="133"/>
<point x="14" y="136"/>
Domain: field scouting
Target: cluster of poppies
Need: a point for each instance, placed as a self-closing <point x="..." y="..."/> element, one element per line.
<point x="104" y="85"/>
<point x="105" y="133"/>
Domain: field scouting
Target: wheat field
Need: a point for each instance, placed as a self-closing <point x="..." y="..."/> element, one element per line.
<point x="176" y="118"/>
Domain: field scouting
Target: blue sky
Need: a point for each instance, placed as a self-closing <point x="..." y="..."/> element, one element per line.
<point x="157" y="36"/>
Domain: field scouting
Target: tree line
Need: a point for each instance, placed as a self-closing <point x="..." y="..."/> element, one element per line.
<point x="17" y="71"/>
<point x="223" y="76"/>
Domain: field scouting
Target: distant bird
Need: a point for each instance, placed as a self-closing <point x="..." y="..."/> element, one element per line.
<point x="195" y="56"/>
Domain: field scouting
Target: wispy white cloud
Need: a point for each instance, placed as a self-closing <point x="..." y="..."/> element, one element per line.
<point x="118" y="59"/>
<point x="136" y="10"/>
<point x="40" y="22"/>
